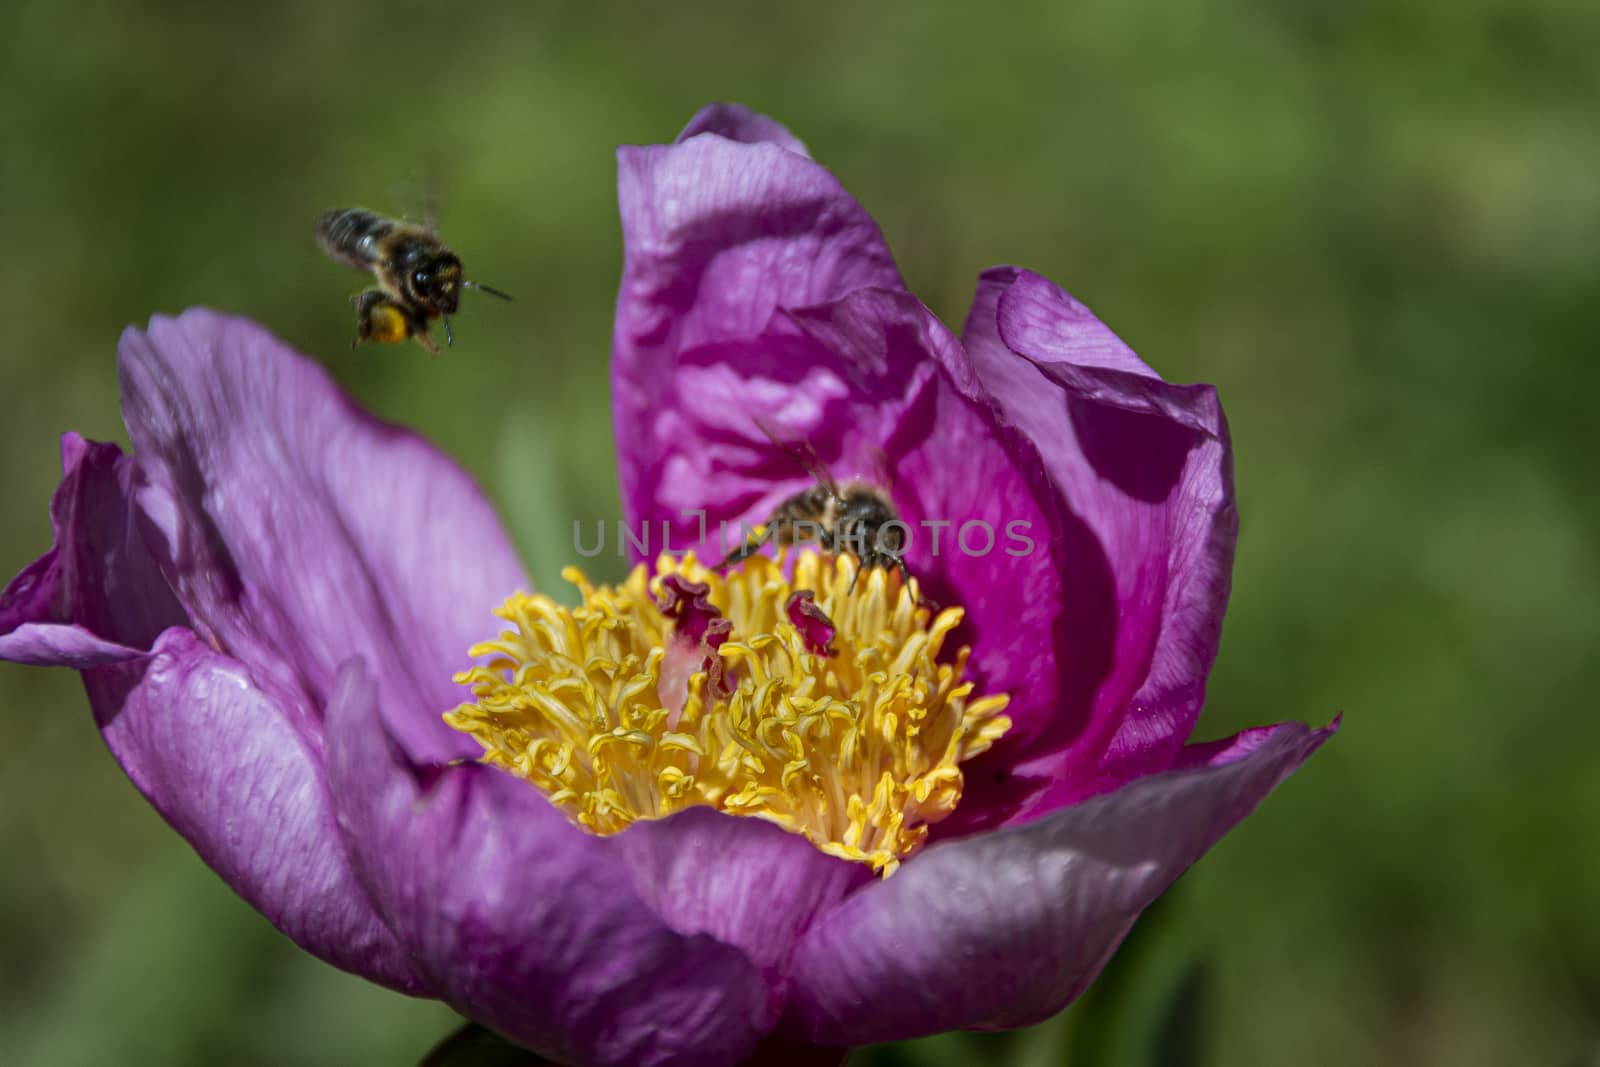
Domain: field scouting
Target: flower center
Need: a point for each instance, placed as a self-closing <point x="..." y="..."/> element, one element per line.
<point x="814" y="701"/>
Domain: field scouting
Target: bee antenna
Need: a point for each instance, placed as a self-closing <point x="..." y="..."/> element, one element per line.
<point x="486" y="289"/>
<point x="449" y="338"/>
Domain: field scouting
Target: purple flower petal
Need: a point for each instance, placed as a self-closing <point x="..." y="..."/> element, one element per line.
<point x="222" y="763"/>
<point x="522" y="921"/>
<point x="739" y="123"/>
<point x="219" y="759"/>
<point x="55" y="645"/>
<point x="717" y="235"/>
<point x="1146" y="468"/>
<point x="1004" y="929"/>
<point x="744" y="881"/>
<point x="1232" y="749"/>
<point x="97" y="596"/>
<point x="299" y="532"/>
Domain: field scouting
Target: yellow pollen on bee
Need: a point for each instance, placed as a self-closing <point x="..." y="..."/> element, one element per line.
<point x="858" y="751"/>
<point x="388" y="326"/>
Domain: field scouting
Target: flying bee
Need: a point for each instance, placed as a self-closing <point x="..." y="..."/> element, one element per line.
<point x="419" y="279"/>
<point x="855" y="517"/>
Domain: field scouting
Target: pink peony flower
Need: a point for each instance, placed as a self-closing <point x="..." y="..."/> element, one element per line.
<point x="707" y="816"/>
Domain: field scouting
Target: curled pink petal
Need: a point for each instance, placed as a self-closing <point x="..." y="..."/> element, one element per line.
<point x="97" y="596"/>
<point x="1144" y="472"/>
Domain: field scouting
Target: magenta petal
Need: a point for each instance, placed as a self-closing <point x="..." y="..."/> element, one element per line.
<point x="878" y="388"/>
<point x="1039" y="319"/>
<point x="984" y="533"/>
<point x="53" y="645"/>
<point x="97" y="596"/>
<point x="1146" y="466"/>
<point x="523" y="922"/>
<point x="299" y="531"/>
<point x="224" y="766"/>
<point x="739" y="123"/>
<point x="717" y="235"/>
<point x="1006" y="928"/>
<point x="1235" y="748"/>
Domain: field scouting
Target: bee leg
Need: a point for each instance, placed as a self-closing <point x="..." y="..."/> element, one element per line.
<point x="860" y="566"/>
<point x="361" y="322"/>
<point x="751" y="546"/>
<point x="905" y="580"/>
<point x="425" y="340"/>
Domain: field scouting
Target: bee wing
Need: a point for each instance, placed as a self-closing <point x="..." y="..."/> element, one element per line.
<point x="419" y="197"/>
<point x="802" y="453"/>
<point x="339" y="233"/>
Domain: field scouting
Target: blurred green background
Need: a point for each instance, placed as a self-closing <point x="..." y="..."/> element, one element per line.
<point x="1374" y="225"/>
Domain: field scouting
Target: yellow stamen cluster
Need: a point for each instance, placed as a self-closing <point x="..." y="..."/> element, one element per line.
<point x="859" y="751"/>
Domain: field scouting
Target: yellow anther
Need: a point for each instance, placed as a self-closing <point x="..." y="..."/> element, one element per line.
<point x="858" y="751"/>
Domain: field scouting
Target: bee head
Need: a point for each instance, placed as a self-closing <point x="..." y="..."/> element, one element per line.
<point x="437" y="283"/>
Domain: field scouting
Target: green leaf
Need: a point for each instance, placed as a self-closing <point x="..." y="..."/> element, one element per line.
<point x="1180" y="1033"/>
<point x="473" y="1046"/>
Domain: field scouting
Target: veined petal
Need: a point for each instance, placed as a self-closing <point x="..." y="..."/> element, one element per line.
<point x="525" y="923"/>
<point x="718" y="234"/>
<point x="1146" y="468"/>
<point x="1004" y="929"/>
<point x="224" y="766"/>
<point x="299" y="531"/>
